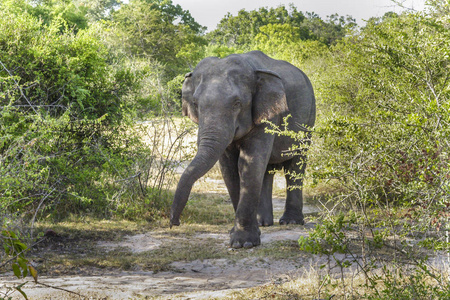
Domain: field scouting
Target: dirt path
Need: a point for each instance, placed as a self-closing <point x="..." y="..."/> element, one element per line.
<point x="198" y="279"/>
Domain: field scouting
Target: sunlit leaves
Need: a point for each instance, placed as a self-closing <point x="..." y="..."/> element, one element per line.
<point x="278" y="24"/>
<point x="160" y="31"/>
<point x="15" y="249"/>
<point x="383" y="133"/>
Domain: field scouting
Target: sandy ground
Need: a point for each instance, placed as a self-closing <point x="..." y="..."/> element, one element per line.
<point x="188" y="280"/>
<point x="206" y="279"/>
<point x="199" y="279"/>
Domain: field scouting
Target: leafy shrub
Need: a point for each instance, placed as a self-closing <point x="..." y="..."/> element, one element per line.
<point x="382" y="136"/>
<point x="67" y="138"/>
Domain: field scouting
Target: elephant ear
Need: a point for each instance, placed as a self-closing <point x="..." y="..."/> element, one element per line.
<point x="187" y="98"/>
<point x="269" y="99"/>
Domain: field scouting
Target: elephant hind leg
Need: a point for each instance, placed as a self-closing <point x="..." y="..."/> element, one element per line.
<point x="265" y="208"/>
<point x="293" y="211"/>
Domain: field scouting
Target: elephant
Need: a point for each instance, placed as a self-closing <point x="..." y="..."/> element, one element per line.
<point x="230" y="98"/>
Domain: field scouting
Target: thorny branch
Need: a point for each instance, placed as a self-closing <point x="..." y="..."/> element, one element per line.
<point x="19" y="87"/>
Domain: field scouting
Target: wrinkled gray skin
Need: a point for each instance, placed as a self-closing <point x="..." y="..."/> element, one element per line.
<point x="229" y="98"/>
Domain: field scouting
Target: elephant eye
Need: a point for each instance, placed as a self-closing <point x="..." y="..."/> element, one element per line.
<point x="237" y="104"/>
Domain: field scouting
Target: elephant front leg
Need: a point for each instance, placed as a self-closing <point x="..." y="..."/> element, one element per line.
<point x="245" y="232"/>
<point x="253" y="159"/>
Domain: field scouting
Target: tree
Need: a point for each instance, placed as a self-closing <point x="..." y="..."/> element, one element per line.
<point x="440" y="9"/>
<point x="61" y="109"/>
<point x="158" y="30"/>
<point x="382" y="140"/>
<point x="284" y="42"/>
<point x="240" y="30"/>
<point x="74" y="15"/>
<point x="330" y="31"/>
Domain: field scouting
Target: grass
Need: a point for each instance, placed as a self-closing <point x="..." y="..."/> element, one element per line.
<point x="314" y="284"/>
<point x="73" y="249"/>
<point x="214" y="209"/>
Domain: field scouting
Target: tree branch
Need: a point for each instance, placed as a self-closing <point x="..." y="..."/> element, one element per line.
<point x="19" y="87"/>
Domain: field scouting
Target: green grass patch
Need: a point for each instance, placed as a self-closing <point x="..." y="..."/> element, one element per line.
<point x="214" y="209"/>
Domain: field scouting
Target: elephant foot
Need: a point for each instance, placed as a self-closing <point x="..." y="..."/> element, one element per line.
<point x="287" y="220"/>
<point x="265" y="221"/>
<point x="244" y="239"/>
<point x="174" y="222"/>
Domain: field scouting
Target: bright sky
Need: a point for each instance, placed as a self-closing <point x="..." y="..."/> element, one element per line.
<point x="210" y="12"/>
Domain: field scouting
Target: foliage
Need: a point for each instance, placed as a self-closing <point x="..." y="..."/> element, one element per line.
<point x="331" y="30"/>
<point x="68" y="142"/>
<point x="329" y="237"/>
<point x="59" y="98"/>
<point x="382" y="137"/>
<point x="58" y="73"/>
<point x="439" y="9"/>
<point x="48" y="11"/>
<point x="240" y="31"/>
<point x="148" y="29"/>
<point x="283" y="42"/>
<point x="15" y="251"/>
<point x="388" y="119"/>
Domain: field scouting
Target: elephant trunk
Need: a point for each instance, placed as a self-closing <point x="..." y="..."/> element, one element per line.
<point x="209" y="152"/>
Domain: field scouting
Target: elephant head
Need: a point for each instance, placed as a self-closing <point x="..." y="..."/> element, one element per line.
<point x="227" y="98"/>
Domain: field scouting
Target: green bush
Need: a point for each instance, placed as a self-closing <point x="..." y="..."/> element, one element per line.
<point x="382" y="137"/>
<point x="384" y="134"/>
<point x="66" y="135"/>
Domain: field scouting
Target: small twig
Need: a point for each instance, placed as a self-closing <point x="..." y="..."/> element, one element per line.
<point x="18" y="254"/>
<point x="129" y="178"/>
<point x="39" y="206"/>
<point x="22" y="105"/>
<point x="62" y="289"/>
<point x="107" y="158"/>
<point x="20" y="88"/>
<point x="140" y="184"/>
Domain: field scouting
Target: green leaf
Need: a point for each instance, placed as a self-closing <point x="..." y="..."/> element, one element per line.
<point x="23" y="265"/>
<point x="33" y="273"/>
<point x="16" y="270"/>
<point x="9" y="234"/>
<point x="7" y="249"/>
<point x="19" y="289"/>
<point x="19" y="246"/>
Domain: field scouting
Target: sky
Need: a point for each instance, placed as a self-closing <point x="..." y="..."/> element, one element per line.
<point x="210" y="12"/>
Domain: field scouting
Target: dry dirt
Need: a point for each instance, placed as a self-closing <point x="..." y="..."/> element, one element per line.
<point x="206" y="279"/>
<point x="198" y="279"/>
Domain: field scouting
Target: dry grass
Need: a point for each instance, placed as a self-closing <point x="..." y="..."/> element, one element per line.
<point x="75" y="249"/>
<point x="316" y="284"/>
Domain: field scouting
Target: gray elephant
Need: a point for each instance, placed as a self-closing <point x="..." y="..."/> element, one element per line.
<point x="229" y="98"/>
